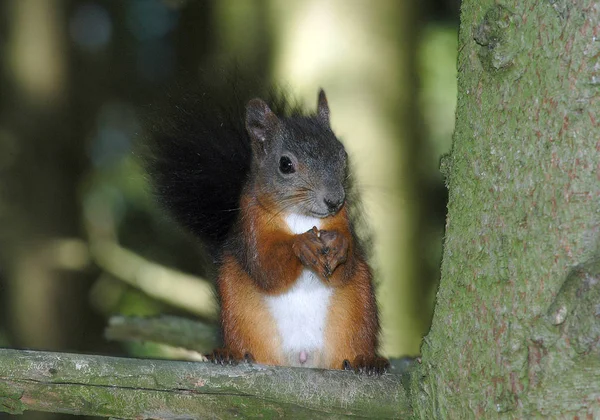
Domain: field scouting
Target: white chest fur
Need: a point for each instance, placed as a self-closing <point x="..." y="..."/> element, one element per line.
<point x="300" y="315"/>
<point x="301" y="312"/>
<point x="299" y="224"/>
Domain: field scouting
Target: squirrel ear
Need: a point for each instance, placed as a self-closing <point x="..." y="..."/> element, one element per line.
<point x="260" y="120"/>
<point x="323" y="108"/>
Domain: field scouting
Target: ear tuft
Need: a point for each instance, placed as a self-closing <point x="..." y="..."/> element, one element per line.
<point x="323" y="108"/>
<point x="259" y="119"/>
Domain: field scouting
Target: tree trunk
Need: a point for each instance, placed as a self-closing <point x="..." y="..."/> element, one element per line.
<point x="517" y="323"/>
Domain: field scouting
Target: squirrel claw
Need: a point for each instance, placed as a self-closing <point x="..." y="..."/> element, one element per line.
<point x="228" y="357"/>
<point x="364" y="365"/>
<point x="309" y="249"/>
<point x="337" y="249"/>
<point x="321" y="251"/>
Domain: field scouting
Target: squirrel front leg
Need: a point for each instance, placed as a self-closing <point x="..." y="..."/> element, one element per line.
<point x="336" y="250"/>
<point x="324" y="252"/>
<point x="274" y="266"/>
<point x="310" y="250"/>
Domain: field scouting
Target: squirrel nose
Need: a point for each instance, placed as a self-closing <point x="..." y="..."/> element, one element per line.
<point x="333" y="204"/>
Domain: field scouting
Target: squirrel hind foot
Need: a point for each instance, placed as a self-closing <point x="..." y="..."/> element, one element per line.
<point x="224" y="356"/>
<point x="367" y="365"/>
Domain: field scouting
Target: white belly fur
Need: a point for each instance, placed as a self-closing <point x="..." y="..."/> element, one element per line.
<point x="300" y="313"/>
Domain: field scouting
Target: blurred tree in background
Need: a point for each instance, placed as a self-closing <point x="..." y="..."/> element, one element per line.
<point x="76" y="75"/>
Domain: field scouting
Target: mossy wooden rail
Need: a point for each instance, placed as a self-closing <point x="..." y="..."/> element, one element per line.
<point x="143" y="388"/>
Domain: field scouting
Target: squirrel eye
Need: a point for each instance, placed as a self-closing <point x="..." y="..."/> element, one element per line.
<point x="286" y="166"/>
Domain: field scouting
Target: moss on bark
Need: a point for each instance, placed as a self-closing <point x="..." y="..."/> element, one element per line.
<point x="136" y="388"/>
<point x="524" y="222"/>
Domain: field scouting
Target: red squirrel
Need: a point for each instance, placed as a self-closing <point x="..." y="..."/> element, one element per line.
<point x="267" y="192"/>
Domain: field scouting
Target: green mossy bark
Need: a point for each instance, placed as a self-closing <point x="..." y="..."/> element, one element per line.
<point x="136" y="388"/>
<point x="516" y="328"/>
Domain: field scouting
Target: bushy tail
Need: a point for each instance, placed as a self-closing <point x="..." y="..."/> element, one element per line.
<point x="199" y="156"/>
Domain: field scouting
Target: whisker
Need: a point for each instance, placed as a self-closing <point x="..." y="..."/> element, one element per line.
<point x="276" y="214"/>
<point x="309" y="182"/>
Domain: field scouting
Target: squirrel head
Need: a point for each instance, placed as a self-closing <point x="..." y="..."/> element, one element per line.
<point x="298" y="162"/>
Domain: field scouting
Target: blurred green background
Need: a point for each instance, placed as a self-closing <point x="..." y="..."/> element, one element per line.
<point x="74" y="76"/>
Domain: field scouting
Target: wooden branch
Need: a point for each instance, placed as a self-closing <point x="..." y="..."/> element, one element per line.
<point x="181" y="290"/>
<point x="171" y="330"/>
<point x="159" y="389"/>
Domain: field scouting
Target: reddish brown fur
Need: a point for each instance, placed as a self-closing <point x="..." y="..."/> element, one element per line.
<point x="351" y="325"/>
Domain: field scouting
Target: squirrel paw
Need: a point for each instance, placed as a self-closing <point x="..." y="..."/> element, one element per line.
<point x="369" y="365"/>
<point x="335" y="249"/>
<point x="228" y="357"/>
<point x="309" y="248"/>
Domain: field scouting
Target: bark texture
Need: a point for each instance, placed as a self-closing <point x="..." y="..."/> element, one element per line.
<point x="516" y="328"/>
<point x="160" y="389"/>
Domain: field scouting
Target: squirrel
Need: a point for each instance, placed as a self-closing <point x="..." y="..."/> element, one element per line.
<point x="267" y="192"/>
